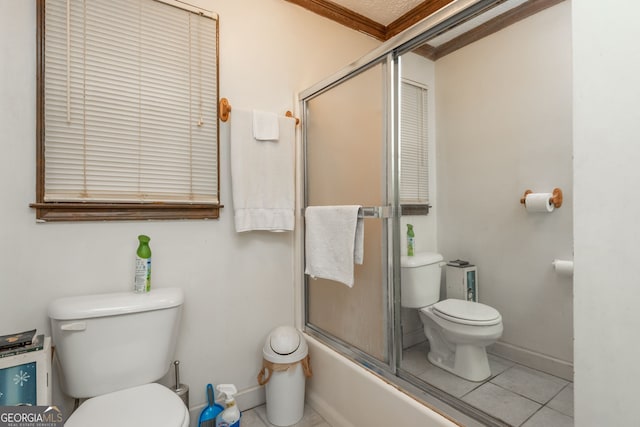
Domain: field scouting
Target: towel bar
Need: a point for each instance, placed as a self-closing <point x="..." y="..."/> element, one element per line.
<point x="372" y="212"/>
<point x="224" y="110"/>
<point x="290" y="114"/>
<point x="375" y="212"/>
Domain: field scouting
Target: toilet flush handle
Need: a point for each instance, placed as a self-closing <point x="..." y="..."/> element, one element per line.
<point x="75" y="326"/>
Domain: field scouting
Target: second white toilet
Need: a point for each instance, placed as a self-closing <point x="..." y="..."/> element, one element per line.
<point x="458" y="331"/>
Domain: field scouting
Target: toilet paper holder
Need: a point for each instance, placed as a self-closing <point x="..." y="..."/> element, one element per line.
<point x="555" y="199"/>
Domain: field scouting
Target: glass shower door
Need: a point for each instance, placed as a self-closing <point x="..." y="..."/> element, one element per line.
<point x="345" y="165"/>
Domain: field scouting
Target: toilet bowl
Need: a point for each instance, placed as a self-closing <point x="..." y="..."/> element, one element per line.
<point x="110" y="348"/>
<point x="458" y="331"/>
<point x="146" y="405"/>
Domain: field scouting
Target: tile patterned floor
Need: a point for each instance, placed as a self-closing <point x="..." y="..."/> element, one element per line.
<point x="257" y="417"/>
<point x="516" y="394"/>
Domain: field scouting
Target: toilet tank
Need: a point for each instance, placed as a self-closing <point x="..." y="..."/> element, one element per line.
<point x="420" y="280"/>
<point x="109" y="342"/>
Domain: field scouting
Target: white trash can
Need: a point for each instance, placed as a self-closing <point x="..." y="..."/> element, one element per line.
<point x="285" y="367"/>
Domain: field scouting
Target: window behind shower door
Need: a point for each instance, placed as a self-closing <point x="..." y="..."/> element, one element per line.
<point x="346" y="164"/>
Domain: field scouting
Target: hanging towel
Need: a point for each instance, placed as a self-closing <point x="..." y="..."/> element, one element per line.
<point x="262" y="175"/>
<point x="334" y="241"/>
<point x="265" y="126"/>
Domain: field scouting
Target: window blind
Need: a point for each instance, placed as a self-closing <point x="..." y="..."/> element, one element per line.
<point x="130" y="102"/>
<point x="414" y="144"/>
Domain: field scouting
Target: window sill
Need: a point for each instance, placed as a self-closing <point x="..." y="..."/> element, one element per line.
<point x="49" y="212"/>
<point x="414" y="208"/>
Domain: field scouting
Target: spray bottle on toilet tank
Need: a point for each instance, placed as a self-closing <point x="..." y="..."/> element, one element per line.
<point x="411" y="242"/>
<point x="142" y="282"/>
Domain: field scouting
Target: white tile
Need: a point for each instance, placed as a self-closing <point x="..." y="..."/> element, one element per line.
<point x="498" y="365"/>
<point x="546" y="417"/>
<point x="563" y="401"/>
<point x="530" y="383"/>
<point x="503" y="404"/>
<point x="414" y="359"/>
<point x="251" y="419"/>
<point x="446" y="381"/>
<point x="261" y="411"/>
<point x="310" y="418"/>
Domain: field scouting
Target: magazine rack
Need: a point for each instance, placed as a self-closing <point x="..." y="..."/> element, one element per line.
<point x="25" y="377"/>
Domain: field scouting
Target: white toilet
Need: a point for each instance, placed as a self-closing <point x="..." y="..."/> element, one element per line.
<point x="110" y="349"/>
<point x="458" y="331"/>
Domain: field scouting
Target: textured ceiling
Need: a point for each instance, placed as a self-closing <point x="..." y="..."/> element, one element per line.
<point x="383" y="19"/>
<point x="381" y="11"/>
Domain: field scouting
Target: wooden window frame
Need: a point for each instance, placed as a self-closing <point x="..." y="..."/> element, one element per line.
<point x="104" y="211"/>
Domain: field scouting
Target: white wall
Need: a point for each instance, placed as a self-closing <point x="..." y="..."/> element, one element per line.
<point x="606" y="150"/>
<point x="421" y="70"/>
<point x="238" y="286"/>
<point x="503" y="114"/>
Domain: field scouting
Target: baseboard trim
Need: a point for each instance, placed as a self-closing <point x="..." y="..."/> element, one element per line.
<point x="251" y="397"/>
<point x="532" y="359"/>
<point x="412" y="338"/>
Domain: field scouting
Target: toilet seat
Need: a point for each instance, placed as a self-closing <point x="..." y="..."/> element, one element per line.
<point x="467" y="312"/>
<point x="147" y="405"/>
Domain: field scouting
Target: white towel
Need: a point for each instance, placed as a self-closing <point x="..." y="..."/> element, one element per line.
<point x="265" y="126"/>
<point x="262" y="175"/>
<point x="334" y="240"/>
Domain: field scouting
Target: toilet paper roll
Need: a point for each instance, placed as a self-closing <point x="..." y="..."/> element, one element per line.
<point x="539" y="202"/>
<point x="563" y="267"/>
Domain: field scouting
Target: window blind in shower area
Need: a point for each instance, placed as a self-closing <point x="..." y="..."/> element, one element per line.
<point x="414" y="144"/>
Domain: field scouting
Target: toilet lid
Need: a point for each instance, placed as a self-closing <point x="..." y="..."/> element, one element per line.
<point x="467" y="312"/>
<point x="143" y="406"/>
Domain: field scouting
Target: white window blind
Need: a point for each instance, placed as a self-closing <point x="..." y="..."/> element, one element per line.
<point x="414" y="145"/>
<point x="130" y="102"/>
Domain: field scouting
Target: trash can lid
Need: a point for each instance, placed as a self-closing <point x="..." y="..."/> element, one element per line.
<point x="284" y="340"/>
<point x="285" y="344"/>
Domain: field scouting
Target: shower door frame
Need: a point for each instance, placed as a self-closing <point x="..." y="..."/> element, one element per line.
<point x="388" y="55"/>
<point x="388" y="216"/>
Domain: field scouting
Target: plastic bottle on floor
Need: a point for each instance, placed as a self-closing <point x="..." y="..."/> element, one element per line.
<point x="230" y="417"/>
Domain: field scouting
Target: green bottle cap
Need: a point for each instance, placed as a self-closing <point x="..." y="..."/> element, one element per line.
<point x="144" y="251"/>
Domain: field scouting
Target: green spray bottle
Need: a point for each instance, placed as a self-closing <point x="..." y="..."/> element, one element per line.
<point x="143" y="265"/>
<point x="410" y="240"/>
